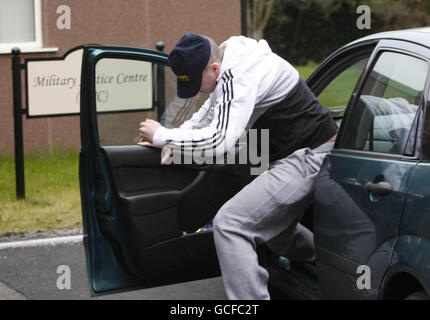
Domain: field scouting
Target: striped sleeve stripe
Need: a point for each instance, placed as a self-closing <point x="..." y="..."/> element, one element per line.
<point x="204" y="143"/>
<point x="207" y="143"/>
<point x="219" y="135"/>
<point x="194" y="147"/>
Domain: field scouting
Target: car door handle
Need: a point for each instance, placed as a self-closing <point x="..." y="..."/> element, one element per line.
<point x="382" y="188"/>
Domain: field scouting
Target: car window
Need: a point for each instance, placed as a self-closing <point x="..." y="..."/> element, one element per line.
<point x="337" y="93"/>
<point x="384" y="113"/>
<point x="127" y="93"/>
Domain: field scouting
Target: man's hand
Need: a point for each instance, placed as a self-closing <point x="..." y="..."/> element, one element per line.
<point x="147" y="130"/>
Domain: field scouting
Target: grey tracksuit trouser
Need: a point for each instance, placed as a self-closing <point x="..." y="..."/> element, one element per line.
<point x="268" y="208"/>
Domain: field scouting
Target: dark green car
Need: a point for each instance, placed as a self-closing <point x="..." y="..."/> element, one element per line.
<point x="371" y="214"/>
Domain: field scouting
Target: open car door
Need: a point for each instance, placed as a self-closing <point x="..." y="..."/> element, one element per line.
<point x="140" y="218"/>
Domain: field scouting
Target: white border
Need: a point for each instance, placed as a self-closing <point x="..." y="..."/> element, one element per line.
<point x="40" y="242"/>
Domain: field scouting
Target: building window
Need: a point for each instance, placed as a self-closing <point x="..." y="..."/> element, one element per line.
<point x="20" y="24"/>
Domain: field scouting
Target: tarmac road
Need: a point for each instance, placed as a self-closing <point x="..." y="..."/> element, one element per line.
<point x="31" y="273"/>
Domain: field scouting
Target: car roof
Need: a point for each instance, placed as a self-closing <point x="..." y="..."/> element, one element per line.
<point x="419" y="36"/>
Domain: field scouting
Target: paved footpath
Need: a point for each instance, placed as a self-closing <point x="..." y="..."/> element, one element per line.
<point x="31" y="273"/>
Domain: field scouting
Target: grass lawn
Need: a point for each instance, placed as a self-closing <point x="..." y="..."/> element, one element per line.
<point x="52" y="189"/>
<point x="52" y="193"/>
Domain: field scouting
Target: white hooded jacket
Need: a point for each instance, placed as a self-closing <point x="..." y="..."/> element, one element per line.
<point x="252" y="78"/>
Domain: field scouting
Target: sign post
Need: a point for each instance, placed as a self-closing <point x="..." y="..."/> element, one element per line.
<point x="17" y="117"/>
<point x="161" y="95"/>
<point x="243" y="15"/>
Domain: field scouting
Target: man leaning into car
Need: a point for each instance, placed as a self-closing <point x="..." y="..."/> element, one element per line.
<point x="246" y="79"/>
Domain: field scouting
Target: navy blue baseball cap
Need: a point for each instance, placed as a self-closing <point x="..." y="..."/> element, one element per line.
<point x="188" y="60"/>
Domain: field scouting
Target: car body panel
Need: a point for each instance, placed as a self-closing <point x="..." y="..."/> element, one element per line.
<point x="412" y="251"/>
<point x="352" y="226"/>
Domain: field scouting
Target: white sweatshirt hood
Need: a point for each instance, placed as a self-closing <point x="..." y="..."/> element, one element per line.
<point x="239" y="48"/>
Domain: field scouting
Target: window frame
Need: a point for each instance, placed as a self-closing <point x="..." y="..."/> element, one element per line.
<point x="38" y="42"/>
<point x="334" y="66"/>
<point x="421" y="111"/>
<point x="334" y="76"/>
